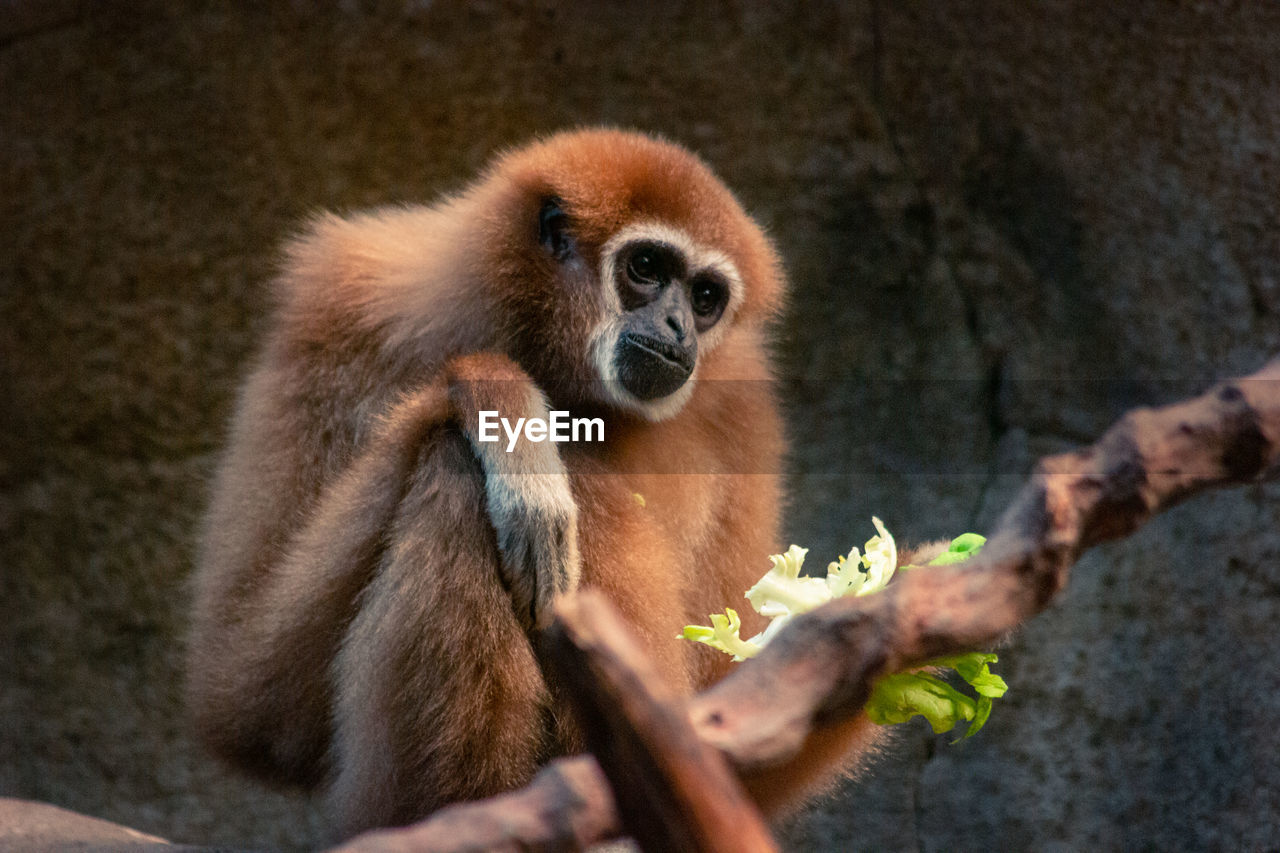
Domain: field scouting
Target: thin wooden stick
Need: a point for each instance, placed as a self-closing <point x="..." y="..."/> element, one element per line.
<point x="674" y="792"/>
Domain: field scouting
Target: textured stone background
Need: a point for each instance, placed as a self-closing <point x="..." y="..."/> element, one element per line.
<point x="1006" y="222"/>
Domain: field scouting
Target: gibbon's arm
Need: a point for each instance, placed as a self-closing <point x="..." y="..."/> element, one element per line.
<point x="262" y="690"/>
<point x="526" y="487"/>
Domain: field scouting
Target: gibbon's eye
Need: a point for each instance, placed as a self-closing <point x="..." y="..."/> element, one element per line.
<point x="707" y="297"/>
<point x="644" y="267"/>
<point x="553" y="229"/>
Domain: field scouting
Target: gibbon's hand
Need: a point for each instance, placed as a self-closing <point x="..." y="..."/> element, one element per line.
<point x="537" y="526"/>
<point x="527" y="489"/>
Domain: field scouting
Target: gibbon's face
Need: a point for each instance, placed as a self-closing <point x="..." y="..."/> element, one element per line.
<point x="622" y="264"/>
<point x="663" y="298"/>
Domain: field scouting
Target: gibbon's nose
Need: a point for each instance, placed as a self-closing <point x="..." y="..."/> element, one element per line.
<point x="673" y="308"/>
<point x="676" y="324"/>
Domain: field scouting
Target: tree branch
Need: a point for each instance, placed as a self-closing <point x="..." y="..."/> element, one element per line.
<point x="567" y="806"/>
<point x="820" y="670"/>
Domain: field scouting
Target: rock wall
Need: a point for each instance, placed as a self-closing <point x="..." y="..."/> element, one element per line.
<point x="1005" y="224"/>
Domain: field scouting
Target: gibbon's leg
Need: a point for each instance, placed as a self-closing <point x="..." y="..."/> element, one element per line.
<point x="439" y="696"/>
<point x="265" y="686"/>
<point x="260" y="655"/>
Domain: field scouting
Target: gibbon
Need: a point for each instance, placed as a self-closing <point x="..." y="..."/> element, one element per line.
<point x="373" y="570"/>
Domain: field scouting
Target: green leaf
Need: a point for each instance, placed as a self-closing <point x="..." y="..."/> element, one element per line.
<point x="979" y="719"/>
<point x="961" y="548"/>
<point x="975" y="668"/>
<point x="722" y="635"/>
<point x="898" y="698"/>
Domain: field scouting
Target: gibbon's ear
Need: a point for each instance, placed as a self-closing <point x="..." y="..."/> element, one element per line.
<point x="553" y="229"/>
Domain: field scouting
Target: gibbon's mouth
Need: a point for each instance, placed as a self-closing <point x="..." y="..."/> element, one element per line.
<point x="649" y="368"/>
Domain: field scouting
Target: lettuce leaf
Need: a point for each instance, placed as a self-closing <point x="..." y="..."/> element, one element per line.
<point x="783" y="593"/>
<point x="899" y="697"/>
<point x="962" y="548"/>
<point x="723" y="635"/>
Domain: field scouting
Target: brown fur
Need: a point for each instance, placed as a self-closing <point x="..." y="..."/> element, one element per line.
<point x="353" y="624"/>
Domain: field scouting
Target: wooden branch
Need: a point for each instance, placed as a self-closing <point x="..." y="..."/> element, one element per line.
<point x="819" y="671"/>
<point x="674" y="792"/>
<point x="567" y="806"/>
